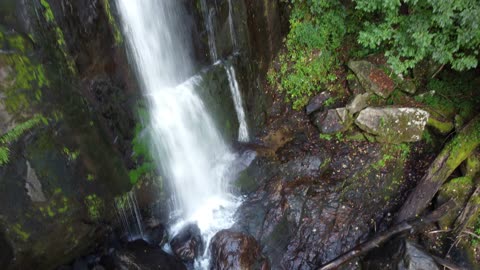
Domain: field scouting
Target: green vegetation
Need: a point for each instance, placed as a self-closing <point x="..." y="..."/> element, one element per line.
<point x="71" y="155"/>
<point x="50" y="18"/>
<point x="326" y="137"/>
<point x="141" y="150"/>
<point x="316" y="32"/>
<point x="16" y="133"/>
<point x="113" y="23"/>
<point x="411" y="31"/>
<point x="94" y="206"/>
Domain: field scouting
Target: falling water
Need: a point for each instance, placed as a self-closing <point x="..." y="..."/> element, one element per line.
<point x="208" y="17"/>
<point x="190" y="152"/>
<point x="231" y="25"/>
<point x="237" y="100"/>
<point x="129" y="215"/>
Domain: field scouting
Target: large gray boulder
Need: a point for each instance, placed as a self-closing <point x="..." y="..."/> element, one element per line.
<point x="393" y="125"/>
<point x="416" y="259"/>
<point x="372" y="78"/>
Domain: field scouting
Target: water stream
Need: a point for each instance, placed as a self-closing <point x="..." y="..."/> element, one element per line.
<point x="190" y="151"/>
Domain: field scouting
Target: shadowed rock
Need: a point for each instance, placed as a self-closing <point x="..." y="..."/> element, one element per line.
<point x="188" y="244"/>
<point x="235" y="250"/>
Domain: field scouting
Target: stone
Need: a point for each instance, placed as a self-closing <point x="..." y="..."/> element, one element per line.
<point x="317" y="103"/>
<point x="415" y="258"/>
<point x="330" y="121"/>
<point x="235" y="250"/>
<point x="372" y="78"/>
<point x="188" y="244"/>
<point x="139" y="255"/>
<point x="393" y="125"/>
<point x="358" y="103"/>
<point x="354" y="85"/>
<point x="34" y="186"/>
<point x="156" y="235"/>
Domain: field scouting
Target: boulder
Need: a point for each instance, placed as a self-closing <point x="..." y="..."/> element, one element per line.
<point x="332" y="121"/>
<point x="188" y="244"/>
<point x="236" y="250"/>
<point x="372" y="78"/>
<point x="317" y="103"/>
<point x="156" y="235"/>
<point x="393" y="125"/>
<point x="139" y="255"/>
<point x="415" y="258"/>
<point x="358" y="103"/>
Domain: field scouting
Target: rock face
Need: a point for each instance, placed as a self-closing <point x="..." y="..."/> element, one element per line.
<point x="188" y="243"/>
<point x="393" y="125"/>
<point x="358" y="103"/>
<point x="234" y="250"/>
<point x="139" y="255"/>
<point x="332" y="121"/>
<point x="317" y="103"/>
<point x="414" y="258"/>
<point x="372" y="79"/>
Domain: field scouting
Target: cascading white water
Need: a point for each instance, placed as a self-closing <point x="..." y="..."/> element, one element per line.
<point x="231" y="25"/>
<point x="208" y="17"/>
<point x="129" y="216"/>
<point x="243" y="135"/>
<point x="189" y="149"/>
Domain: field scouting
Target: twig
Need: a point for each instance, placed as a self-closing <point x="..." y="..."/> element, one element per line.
<point x="438" y="71"/>
<point x="386" y="235"/>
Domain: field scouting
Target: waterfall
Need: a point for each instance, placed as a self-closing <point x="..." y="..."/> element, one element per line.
<point x="189" y="150"/>
<point x="208" y="18"/>
<point x="129" y="216"/>
<point x="237" y="100"/>
<point x="231" y="25"/>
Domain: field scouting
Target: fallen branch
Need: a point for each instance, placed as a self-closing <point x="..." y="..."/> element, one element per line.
<point x="386" y="235"/>
<point x="447" y="264"/>
<point x="452" y="155"/>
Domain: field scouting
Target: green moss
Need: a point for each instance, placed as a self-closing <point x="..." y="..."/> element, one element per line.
<point x="90" y="177"/>
<point x="94" y="206"/>
<point x="144" y="169"/>
<point x="458" y="188"/>
<point x="57" y="205"/>
<point x="71" y="155"/>
<point x="443" y="127"/>
<point x="113" y="23"/>
<point x="50" y="18"/>
<point x="47" y="11"/>
<point x="17" y="229"/>
<point x="24" y="84"/>
<point x="326" y="137"/>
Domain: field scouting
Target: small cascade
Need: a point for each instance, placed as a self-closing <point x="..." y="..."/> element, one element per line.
<point x="129" y="216"/>
<point x="208" y="17"/>
<point x="232" y="25"/>
<point x="243" y="135"/>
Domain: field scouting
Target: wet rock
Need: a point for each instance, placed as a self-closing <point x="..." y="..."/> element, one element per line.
<point x="139" y="255"/>
<point x="358" y="103"/>
<point x="34" y="186"/>
<point x="306" y="166"/>
<point x="393" y="125"/>
<point x="188" y="243"/>
<point x="331" y="121"/>
<point x="354" y="85"/>
<point x="317" y="103"/>
<point x="372" y="78"/>
<point x="235" y="250"/>
<point x="414" y="258"/>
<point x="156" y="235"/>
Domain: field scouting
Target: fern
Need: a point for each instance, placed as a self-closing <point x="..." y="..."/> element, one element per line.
<point x="15" y="133"/>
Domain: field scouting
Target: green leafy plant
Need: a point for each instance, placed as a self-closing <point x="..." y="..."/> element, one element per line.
<point x="16" y="133"/>
<point x="410" y="31"/>
<point x="317" y="29"/>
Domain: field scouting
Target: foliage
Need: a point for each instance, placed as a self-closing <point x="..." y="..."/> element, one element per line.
<point x="94" y="206"/>
<point x="317" y="28"/>
<point x="15" y="133"/>
<point x="411" y="31"/>
<point x="50" y="18"/>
